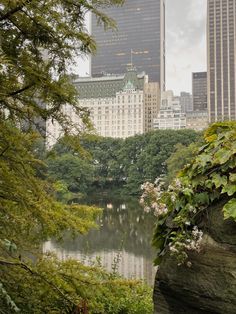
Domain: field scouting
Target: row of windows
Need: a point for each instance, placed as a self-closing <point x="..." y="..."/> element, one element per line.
<point x="112" y="122"/>
<point x="129" y="99"/>
<point x="126" y="127"/>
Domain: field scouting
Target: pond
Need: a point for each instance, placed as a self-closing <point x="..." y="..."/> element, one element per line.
<point x="122" y="242"/>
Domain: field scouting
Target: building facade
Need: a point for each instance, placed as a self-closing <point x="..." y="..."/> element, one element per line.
<point x="197" y="120"/>
<point x="139" y="40"/>
<point x="152" y="99"/>
<point x="170" y="115"/>
<point x="186" y="102"/>
<point x="221" y="37"/>
<point x="119" y="106"/>
<point x="199" y="90"/>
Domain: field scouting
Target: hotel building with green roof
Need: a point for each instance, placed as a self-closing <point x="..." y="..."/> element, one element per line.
<point x="119" y="106"/>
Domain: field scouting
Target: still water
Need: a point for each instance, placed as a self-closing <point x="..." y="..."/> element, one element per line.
<point x="121" y="243"/>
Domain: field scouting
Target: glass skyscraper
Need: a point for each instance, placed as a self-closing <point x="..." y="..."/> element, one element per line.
<point x="221" y="34"/>
<point x="199" y="84"/>
<point x="139" y="40"/>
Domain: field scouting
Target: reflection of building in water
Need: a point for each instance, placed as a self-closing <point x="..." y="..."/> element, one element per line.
<point x="127" y="264"/>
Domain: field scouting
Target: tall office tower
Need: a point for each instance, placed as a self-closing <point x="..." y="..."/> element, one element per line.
<point x="139" y="39"/>
<point x="186" y="102"/>
<point x="221" y="35"/>
<point x="199" y="84"/>
<point x="152" y="98"/>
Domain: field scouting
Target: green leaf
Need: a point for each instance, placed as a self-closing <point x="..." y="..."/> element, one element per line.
<point x="219" y="180"/>
<point x="188" y="192"/>
<point x="9" y="245"/>
<point x="222" y="156"/>
<point x="229" y="209"/>
<point x="232" y="177"/>
<point x="202" y="198"/>
<point x="230" y="189"/>
<point x="203" y="159"/>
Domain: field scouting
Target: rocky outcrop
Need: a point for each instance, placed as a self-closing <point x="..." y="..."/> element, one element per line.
<point x="209" y="285"/>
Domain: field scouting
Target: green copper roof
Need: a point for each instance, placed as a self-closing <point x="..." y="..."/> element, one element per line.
<point x="108" y="86"/>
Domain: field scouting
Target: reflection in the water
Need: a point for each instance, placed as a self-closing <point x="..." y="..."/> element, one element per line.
<point x="123" y="240"/>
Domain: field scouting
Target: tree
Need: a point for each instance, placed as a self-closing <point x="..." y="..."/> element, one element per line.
<point x="124" y="163"/>
<point x="182" y="156"/>
<point x="75" y="172"/>
<point x="38" y="41"/>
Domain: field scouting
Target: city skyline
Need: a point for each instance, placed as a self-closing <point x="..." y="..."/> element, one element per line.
<point x="185" y="43"/>
<point x="139" y="39"/>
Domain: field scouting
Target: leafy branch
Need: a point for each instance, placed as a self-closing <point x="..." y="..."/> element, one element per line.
<point x="34" y="273"/>
<point x="181" y="209"/>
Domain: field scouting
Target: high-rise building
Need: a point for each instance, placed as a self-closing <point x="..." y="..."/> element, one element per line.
<point x="139" y="39"/>
<point x="151" y="104"/>
<point x="199" y="85"/>
<point x="186" y="102"/>
<point x="197" y="120"/>
<point x="221" y="35"/>
<point x="170" y="115"/>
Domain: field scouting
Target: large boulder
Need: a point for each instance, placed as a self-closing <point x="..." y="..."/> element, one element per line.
<point x="209" y="285"/>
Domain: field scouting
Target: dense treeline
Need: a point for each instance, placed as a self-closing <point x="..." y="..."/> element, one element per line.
<point x="108" y="162"/>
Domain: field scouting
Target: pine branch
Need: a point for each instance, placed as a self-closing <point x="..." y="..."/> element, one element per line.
<point x="14" y="10"/>
<point x="4" y="150"/>
<point x="20" y="90"/>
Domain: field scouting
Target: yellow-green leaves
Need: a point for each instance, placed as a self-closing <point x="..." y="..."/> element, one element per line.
<point x="219" y="180"/>
<point x="229" y="209"/>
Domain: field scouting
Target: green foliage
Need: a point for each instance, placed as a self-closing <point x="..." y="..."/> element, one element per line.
<point x="72" y="170"/>
<point x="182" y="156"/>
<point x="62" y="287"/>
<point x="118" y="162"/>
<point x="7" y="299"/>
<point x="39" y="40"/>
<point x="208" y="179"/>
<point x="230" y="209"/>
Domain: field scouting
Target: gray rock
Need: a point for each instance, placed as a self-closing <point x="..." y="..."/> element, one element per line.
<point x="209" y="286"/>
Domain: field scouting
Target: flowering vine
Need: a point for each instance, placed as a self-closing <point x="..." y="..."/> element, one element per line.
<point x="180" y="209"/>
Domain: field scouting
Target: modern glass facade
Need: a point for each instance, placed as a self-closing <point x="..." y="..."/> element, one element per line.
<point x="221" y="59"/>
<point x="199" y="81"/>
<point x="139" y="39"/>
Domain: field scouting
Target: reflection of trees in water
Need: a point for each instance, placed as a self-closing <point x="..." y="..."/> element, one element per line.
<point x="129" y="229"/>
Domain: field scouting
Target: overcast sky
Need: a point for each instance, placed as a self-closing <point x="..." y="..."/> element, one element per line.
<point x="185" y="43"/>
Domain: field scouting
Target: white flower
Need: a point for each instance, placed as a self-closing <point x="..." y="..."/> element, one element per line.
<point x="173" y="198"/>
<point x="189" y="264"/>
<point x="173" y="249"/>
<point x="160" y="209"/>
<point x="147" y="209"/>
<point x="141" y="201"/>
<point x="178" y="183"/>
